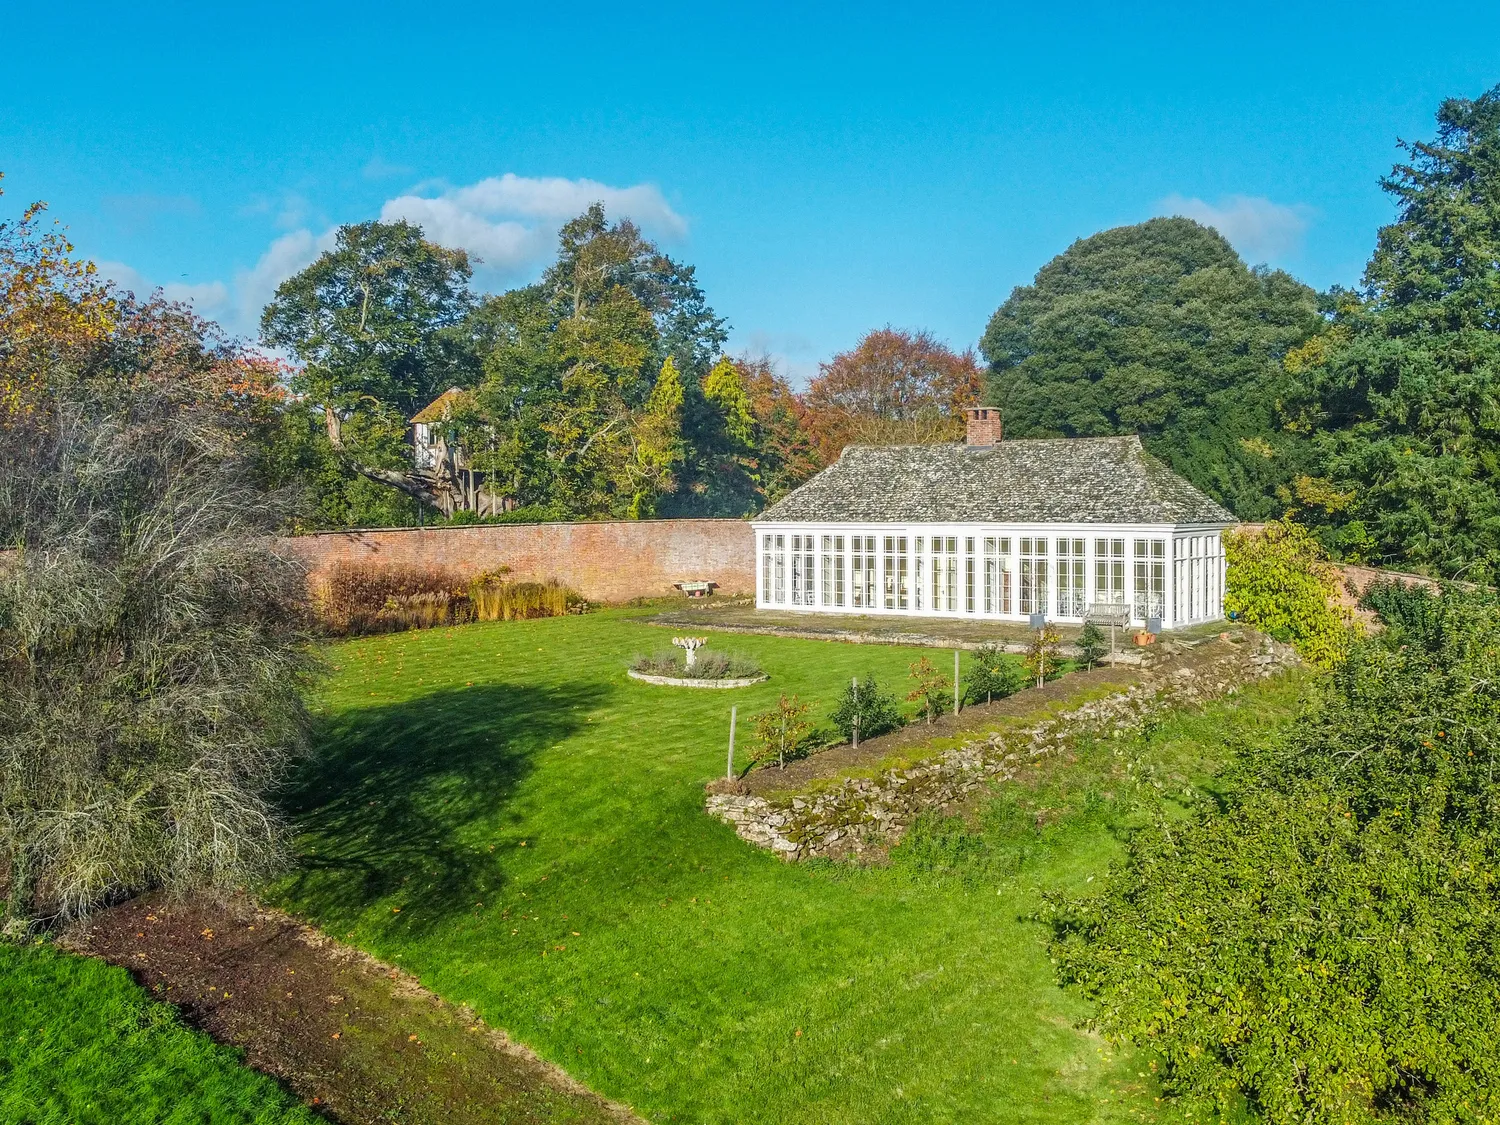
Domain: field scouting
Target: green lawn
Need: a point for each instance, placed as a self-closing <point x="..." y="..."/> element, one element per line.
<point x="82" y="1044"/>
<point x="498" y="809"/>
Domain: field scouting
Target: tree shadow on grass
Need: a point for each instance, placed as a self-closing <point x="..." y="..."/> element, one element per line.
<point x="408" y="800"/>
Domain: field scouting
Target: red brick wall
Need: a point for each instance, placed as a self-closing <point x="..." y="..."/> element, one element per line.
<point x="611" y="561"/>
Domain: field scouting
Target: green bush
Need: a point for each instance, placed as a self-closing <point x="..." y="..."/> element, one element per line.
<point x="1281" y="582"/>
<point x="875" y="710"/>
<point x="1322" y="947"/>
<point x="1091" y="645"/>
<point x="992" y="675"/>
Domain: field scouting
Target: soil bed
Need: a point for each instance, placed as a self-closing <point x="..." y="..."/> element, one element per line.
<point x="357" y="1039"/>
<point x="984" y="716"/>
<point x="1065" y="690"/>
<point x="935" y="632"/>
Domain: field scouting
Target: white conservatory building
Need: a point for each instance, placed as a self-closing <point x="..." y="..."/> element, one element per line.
<point x="996" y="529"/>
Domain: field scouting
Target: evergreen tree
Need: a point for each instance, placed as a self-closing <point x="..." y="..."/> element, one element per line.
<point x="1159" y="329"/>
<point x="1403" y="393"/>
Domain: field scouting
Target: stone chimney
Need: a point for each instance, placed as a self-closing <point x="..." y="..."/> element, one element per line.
<point x="984" y="425"/>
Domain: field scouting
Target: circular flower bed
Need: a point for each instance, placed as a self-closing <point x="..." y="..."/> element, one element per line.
<point x="697" y="669"/>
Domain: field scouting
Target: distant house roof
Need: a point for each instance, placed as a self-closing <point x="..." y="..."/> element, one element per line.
<point x="1056" y="480"/>
<point x="435" y="410"/>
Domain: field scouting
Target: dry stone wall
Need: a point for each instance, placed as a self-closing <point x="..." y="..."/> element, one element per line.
<point x="861" y="814"/>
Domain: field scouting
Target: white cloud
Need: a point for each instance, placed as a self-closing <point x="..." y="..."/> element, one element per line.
<point x="505" y="246"/>
<point x="510" y="221"/>
<point x="377" y="168"/>
<point x="1260" y="230"/>
<point x="254" y="287"/>
<point x="237" y="304"/>
<point x="207" y="297"/>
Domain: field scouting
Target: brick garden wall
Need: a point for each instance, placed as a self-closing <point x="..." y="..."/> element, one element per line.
<point x="608" y="561"/>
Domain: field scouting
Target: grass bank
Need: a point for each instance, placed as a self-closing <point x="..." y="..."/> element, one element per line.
<point x="500" y="811"/>
<point x="82" y="1044"/>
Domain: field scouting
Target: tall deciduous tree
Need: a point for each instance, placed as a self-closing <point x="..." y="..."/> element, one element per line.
<point x="1404" y="391"/>
<point x="53" y="306"/>
<point x="893" y="387"/>
<point x="1159" y="329"/>
<point x="786" y="447"/>
<point x="378" y="325"/>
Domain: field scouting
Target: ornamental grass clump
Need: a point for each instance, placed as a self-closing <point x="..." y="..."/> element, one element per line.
<point x="494" y="599"/>
<point x="153" y="642"/>
<point x="360" y="598"/>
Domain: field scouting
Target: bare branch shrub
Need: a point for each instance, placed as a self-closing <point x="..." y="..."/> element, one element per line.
<point x="152" y="642"/>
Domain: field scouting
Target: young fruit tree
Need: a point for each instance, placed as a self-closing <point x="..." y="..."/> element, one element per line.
<point x="1042" y="658"/>
<point x="151" y="645"/>
<point x="931" y="689"/>
<point x="1091" y="645"/>
<point x="864" y="710"/>
<point x="992" y="675"/>
<point x="781" y="731"/>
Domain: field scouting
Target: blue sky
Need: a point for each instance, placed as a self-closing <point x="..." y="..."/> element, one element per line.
<point x="828" y="170"/>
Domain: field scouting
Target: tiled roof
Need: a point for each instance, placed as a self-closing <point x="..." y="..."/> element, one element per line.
<point x="1056" y="480"/>
<point x="435" y="410"/>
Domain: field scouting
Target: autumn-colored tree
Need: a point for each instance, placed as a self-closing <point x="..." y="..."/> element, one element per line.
<point x="932" y="689"/>
<point x="781" y="731"/>
<point x="53" y="307"/>
<point x="786" y="448"/>
<point x="894" y="388"/>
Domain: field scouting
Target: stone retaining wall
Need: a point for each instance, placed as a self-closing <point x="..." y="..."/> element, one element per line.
<point x="871" y="813"/>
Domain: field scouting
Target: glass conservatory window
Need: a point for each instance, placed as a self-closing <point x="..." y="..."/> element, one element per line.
<point x="833" y="570"/>
<point x="996" y="575"/>
<point x="838" y="570"/>
<point x="890" y="572"/>
<point x="903" y="590"/>
<point x="916" y="572"/>
<point x="1033" y="575"/>
<point x="780" y="569"/>
<point x="862" y="570"/>
<point x="1071" y="573"/>
<point x="765" y="568"/>
<point x="968" y="575"/>
<point x="1109" y="570"/>
<point x="1150" y="578"/>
